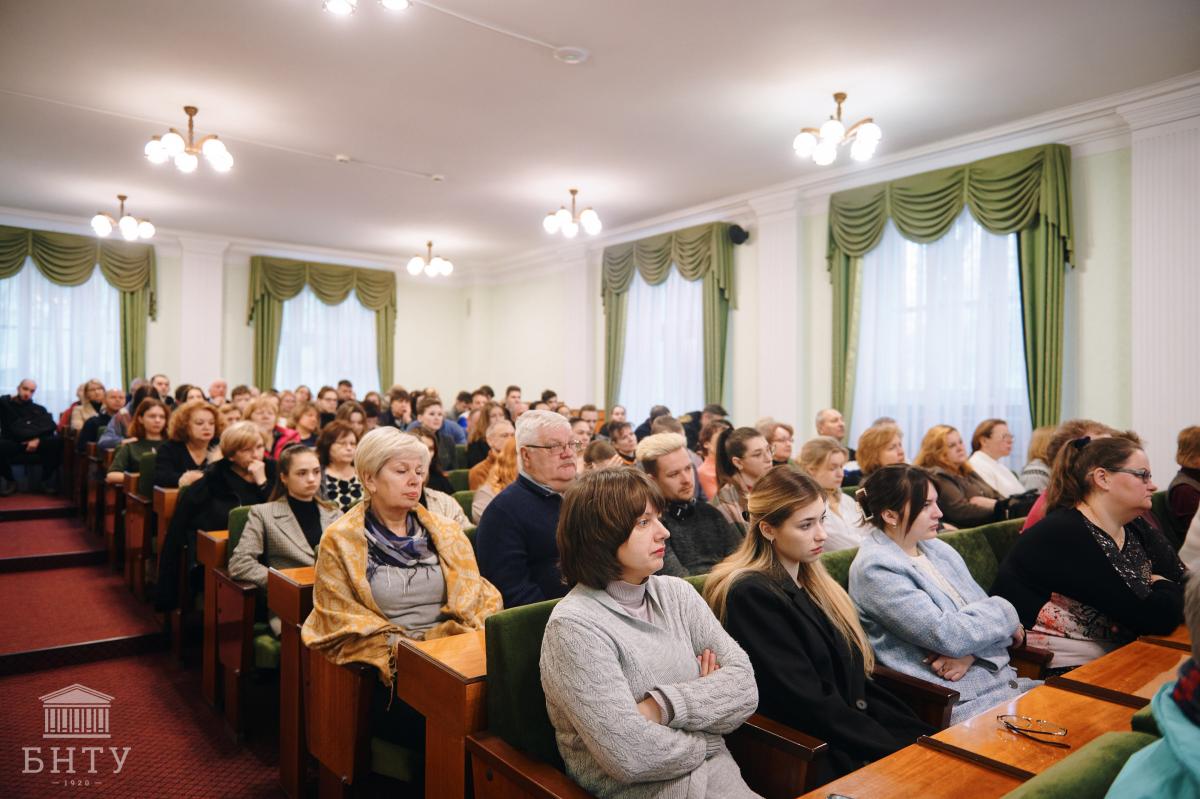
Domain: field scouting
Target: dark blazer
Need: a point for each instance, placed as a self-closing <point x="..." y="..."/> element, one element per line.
<point x="171" y="461"/>
<point x="810" y="679"/>
<point x="954" y="498"/>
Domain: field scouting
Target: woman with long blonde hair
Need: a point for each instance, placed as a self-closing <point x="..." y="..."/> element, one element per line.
<point x="812" y="660"/>
<point x="823" y="458"/>
<point x="504" y="472"/>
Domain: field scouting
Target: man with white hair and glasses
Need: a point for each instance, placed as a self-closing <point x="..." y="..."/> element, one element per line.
<point x="515" y="542"/>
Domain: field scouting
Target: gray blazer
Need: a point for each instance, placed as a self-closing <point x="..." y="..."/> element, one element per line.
<point x="287" y="548"/>
<point x="907" y="616"/>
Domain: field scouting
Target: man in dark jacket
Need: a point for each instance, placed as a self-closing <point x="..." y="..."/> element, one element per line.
<point x="27" y="435"/>
<point x="695" y="421"/>
<point x="643" y="429"/>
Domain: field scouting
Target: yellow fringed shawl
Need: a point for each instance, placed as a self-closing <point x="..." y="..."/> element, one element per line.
<point x="349" y="627"/>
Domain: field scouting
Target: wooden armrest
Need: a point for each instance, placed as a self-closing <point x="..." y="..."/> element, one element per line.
<point x="493" y="760"/>
<point x="1030" y="661"/>
<point x="782" y="737"/>
<point x="239" y="585"/>
<point x="777" y="762"/>
<point x="930" y="701"/>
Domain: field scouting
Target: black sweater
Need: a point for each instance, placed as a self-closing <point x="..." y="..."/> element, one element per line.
<point x="171" y="461"/>
<point x="1060" y="555"/>
<point x="700" y="538"/>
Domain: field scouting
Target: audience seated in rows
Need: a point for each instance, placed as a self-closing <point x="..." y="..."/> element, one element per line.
<point x="162" y="384"/>
<point x="242" y="476"/>
<point x="148" y="432"/>
<point x="1183" y="493"/>
<point x="700" y="535"/>
<point x="879" y="445"/>
<point x="352" y="413"/>
<point x="434" y="477"/>
<point x="965" y="499"/>
<point x="398" y="413"/>
<point x="28" y="436"/>
<point x="326" y="402"/>
<point x="923" y="611"/>
<point x="502" y="474"/>
<point x="498" y="434"/>
<point x="742" y="456"/>
<point x="515" y="539"/>
<point x="622" y="437"/>
<point x="643" y="429"/>
<point x="812" y="659"/>
<point x="90" y="404"/>
<point x="336" y="447"/>
<point x="389" y="569"/>
<point x="264" y="413"/>
<point x="478" y="449"/>
<point x="990" y="442"/>
<point x="616" y="415"/>
<point x="284" y="531"/>
<point x="94" y="428"/>
<point x="194" y="432"/>
<point x="622" y="632"/>
<point x="116" y="431"/>
<point x="823" y="458"/>
<point x="830" y="423"/>
<point x="306" y="421"/>
<point x="780" y="437"/>
<point x="1092" y="575"/>
<point x="187" y="392"/>
<point x="1169" y="766"/>
<point x="1036" y="474"/>
<point x="432" y="418"/>
<point x="696" y="421"/>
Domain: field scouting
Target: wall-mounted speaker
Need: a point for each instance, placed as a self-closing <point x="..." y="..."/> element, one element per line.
<point x="738" y="234"/>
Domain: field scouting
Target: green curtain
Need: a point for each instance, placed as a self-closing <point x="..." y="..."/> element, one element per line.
<point x="273" y="281"/>
<point x="703" y="253"/>
<point x="68" y="260"/>
<point x="1027" y="192"/>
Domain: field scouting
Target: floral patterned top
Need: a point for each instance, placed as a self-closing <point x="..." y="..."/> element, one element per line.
<point x="344" y="493"/>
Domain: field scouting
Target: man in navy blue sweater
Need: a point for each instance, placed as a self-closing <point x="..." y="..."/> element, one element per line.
<point x="515" y="543"/>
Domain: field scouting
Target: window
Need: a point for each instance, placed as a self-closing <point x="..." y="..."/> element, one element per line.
<point x="940" y="336"/>
<point x="58" y="335"/>
<point x="664" y="346"/>
<point x="320" y="344"/>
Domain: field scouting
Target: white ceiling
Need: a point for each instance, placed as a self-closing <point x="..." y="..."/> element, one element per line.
<point x="682" y="102"/>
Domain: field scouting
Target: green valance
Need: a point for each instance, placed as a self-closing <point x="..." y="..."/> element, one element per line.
<point x="68" y="260"/>
<point x="703" y="253"/>
<point x="273" y="281"/>
<point x="1027" y="192"/>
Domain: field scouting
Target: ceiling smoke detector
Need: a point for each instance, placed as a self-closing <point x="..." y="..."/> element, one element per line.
<point x="571" y="55"/>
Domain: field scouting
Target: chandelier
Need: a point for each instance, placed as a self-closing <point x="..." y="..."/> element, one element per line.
<point x="430" y="264"/>
<point x="569" y="222"/>
<point x="186" y="152"/>
<point x="130" y="227"/>
<point x="344" y="8"/>
<point x="822" y="144"/>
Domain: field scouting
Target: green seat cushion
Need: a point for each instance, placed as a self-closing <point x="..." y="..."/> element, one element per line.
<point x="266" y="647"/>
<point x="516" y="702"/>
<point x="460" y="455"/>
<point x="469" y="532"/>
<point x="837" y="563"/>
<point x="395" y="761"/>
<point x="145" y="481"/>
<point x="851" y="491"/>
<point x="464" y="499"/>
<point x="1002" y="536"/>
<point x="237" y="523"/>
<point x="460" y="479"/>
<point x="1143" y="721"/>
<point x="697" y="581"/>
<point x="975" y="549"/>
<point x="1087" y="773"/>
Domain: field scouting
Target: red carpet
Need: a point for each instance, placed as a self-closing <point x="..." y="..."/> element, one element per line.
<point x="46" y="537"/>
<point x="30" y="501"/>
<point x="67" y="606"/>
<point x="177" y="747"/>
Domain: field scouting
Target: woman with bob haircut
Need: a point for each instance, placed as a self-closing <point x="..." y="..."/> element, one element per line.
<point x="881" y="444"/>
<point x="812" y="660"/>
<point x="243" y="476"/>
<point x="1092" y="575"/>
<point x="923" y="611"/>
<point x="823" y="459"/>
<point x="964" y="498"/>
<point x="335" y="450"/>
<point x="743" y="456"/>
<point x="990" y="442"/>
<point x="641" y="681"/>
<point x="353" y="414"/>
<point x="264" y="413"/>
<point x="306" y="421"/>
<point x="147" y="428"/>
<point x="91" y="403"/>
<point x="194" y="430"/>
<point x="390" y="569"/>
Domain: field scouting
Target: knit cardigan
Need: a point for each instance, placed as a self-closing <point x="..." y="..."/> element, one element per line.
<point x="598" y="662"/>
<point x="348" y="625"/>
<point x="907" y="616"/>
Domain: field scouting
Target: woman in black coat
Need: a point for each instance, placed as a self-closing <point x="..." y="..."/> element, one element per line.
<point x="242" y="477"/>
<point x="811" y="657"/>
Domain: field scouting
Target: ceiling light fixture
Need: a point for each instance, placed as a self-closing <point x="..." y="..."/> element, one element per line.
<point x="821" y="144"/>
<point x="432" y="265"/>
<point x="569" y="222"/>
<point x="344" y="8"/>
<point x="186" y="152"/>
<point x="130" y="227"/>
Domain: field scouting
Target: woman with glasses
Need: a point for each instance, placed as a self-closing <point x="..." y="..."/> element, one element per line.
<point x="1092" y="575"/>
<point x="990" y="442"/>
<point x="743" y="457"/>
<point x="781" y="437"/>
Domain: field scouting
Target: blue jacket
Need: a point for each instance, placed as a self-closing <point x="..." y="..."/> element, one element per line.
<point x="907" y="616"/>
<point x="1168" y="767"/>
<point x="516" y="546"/>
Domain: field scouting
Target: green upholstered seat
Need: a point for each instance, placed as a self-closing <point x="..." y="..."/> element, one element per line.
<point x="459" y="478"/>
<point x="145" y="481"/>
<point x="266" y="647"/>
<point x="516" y="702"/>
<point x="838" y="565"/>
<point x="393" y="760"/>
<point x="850" y="491"/>
<point x="973" y="546"/>
<point x="697" y="581"/>
<point x="464" y="499"/>
<point x="237" y="523"/>
<point x="460" y="456"/>
<point x="1087" y="773"/>
<point x="1143" y="721"/>
<point x="469" y="532"/>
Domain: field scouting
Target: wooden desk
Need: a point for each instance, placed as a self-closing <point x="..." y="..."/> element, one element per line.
<point x="1134" y="672"/>
<point x="917" y="771"/>
<point x="210" y="553"/>
<point x="445" y="680"/>
<point x="1180" y="639"/>
<point x="1085" y="718"/>
<point x="289" y="596"/>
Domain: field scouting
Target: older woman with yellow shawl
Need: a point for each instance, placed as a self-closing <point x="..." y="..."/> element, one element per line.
<point x="389" y="569"/>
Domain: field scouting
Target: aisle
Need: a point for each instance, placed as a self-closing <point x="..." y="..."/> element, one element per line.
<point x="55" y="536"/>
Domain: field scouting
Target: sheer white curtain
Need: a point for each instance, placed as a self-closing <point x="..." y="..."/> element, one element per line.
<point x="664" y="347"/>
<point x="321" y="344"/>
<point x="940" y="336"/>
<point x="60" y="336"/>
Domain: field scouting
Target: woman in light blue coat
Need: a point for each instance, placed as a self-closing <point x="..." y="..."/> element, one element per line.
<point x="924" y="613"/>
